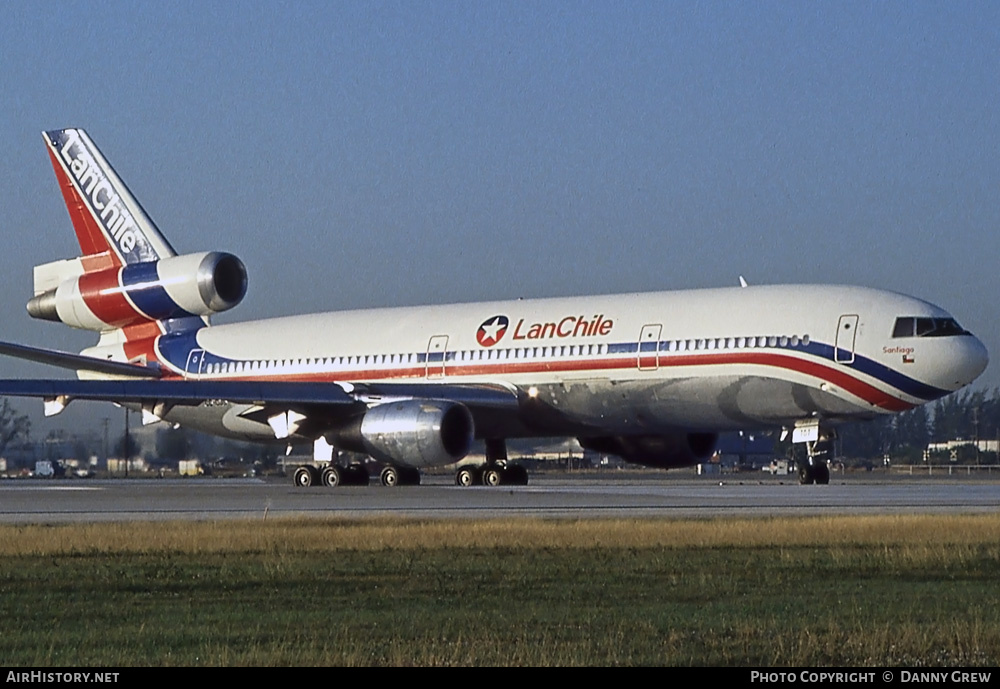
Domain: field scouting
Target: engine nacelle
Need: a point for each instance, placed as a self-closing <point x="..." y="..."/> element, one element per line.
<point x="661" y="451"/>
<point x="176" y="287"/>
<point x="416" y="433"/>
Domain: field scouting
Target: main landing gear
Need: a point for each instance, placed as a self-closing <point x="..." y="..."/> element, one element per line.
<point x="499" y="475"/>
<point x="496" y="472"/>
<point x="393" y="476"/>
<point x="325" y="471"/>
<point x="332" y="475"/>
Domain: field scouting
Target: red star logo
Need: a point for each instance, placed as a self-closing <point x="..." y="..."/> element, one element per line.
<point x="492" y="330"/>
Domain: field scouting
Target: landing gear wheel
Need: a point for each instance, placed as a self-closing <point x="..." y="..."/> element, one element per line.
<point x="493" y="477"/>
<point x="400" y="476"/>
<point x="821" y="473"/>
<point x="465" y="477"/>
<point x="332" y="476"/>
<point x="806" y="477"/>
<point x="354" y="475"/>
<point x="390" y="477"/>
<point x="306" y="476"/>
<point x="517" y="475"/>
<point x="815" y="468"/>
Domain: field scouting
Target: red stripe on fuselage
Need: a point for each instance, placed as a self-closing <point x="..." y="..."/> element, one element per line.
<point x="831" y="374"/>
<point x="840" y="377"/>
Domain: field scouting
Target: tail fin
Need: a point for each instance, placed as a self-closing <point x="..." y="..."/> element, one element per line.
<point x="111" y="226"/>
<point x="128" y="284"/>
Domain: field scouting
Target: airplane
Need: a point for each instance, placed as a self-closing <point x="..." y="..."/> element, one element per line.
<point x="653" y="378"/>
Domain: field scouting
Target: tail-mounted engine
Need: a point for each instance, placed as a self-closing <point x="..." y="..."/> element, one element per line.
<point x="661" y="451"/>
<point x="176" y="287"/>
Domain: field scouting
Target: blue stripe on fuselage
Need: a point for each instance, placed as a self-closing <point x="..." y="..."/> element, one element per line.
<point x="889" y="376"/>
<point x="175" y="348"/>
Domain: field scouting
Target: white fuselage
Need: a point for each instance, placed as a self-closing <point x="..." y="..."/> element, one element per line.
<point x="639" y="374"/>
<point x="712" y="360"/>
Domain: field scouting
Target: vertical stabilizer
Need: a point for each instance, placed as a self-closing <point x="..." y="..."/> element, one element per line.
<point x="111" y="226"/>
<point x="128" y="283"/>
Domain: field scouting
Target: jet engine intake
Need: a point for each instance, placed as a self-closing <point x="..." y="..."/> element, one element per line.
<point x="669" y="451"/>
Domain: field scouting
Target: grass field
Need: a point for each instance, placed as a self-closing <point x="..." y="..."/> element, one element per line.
<point x="913" y="591"/>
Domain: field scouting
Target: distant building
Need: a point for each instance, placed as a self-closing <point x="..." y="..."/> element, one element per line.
<point x="949" y="445"/>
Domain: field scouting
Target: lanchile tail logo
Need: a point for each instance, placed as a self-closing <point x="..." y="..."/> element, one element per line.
<point x="97" y="190"/>
<point x="492" y="330"/>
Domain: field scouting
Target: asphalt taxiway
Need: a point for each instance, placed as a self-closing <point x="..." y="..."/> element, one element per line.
<point x="83" y="500"/>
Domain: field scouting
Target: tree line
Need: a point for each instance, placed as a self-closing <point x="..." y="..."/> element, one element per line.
<point x="967" y="415"/>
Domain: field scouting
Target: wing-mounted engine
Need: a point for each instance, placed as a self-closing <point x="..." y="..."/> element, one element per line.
<point x="175" y="287"/>
<point x="415" y="433"/>
<point x="661" y="451"/>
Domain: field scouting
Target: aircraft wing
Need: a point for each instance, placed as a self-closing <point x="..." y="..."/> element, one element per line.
<point x="335" y="399"/>
<point x="180" y="391"/>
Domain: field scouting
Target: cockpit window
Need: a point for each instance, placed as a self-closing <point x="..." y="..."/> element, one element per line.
<point x="903" y="327"/>
<point x="925" y="326"/>
<point x="944" y="327"/>
<point x="908" y="326"/>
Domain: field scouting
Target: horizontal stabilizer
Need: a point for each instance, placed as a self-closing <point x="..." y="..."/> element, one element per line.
<point x="78" y="362"/>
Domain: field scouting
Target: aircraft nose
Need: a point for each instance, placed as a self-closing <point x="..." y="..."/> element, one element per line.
<point x="969" y="363"/>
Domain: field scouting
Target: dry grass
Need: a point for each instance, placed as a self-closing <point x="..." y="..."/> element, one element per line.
<point x="917" y="536"/>
<point x="911" y="590"/>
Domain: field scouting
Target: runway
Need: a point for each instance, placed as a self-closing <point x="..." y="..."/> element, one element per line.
<point x="60" y="501"/>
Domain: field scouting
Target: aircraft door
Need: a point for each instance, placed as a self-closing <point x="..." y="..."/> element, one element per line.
<point x="847" y="331"/>
<point x="437" y="350"/>
<point x="195" y="363"/>
<point x="649" y="345"/>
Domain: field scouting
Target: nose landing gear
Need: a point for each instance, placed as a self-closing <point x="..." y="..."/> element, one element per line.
<point x="815" y="468"/>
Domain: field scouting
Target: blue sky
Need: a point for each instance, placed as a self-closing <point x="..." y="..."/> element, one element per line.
<point x="359" y="154"/>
